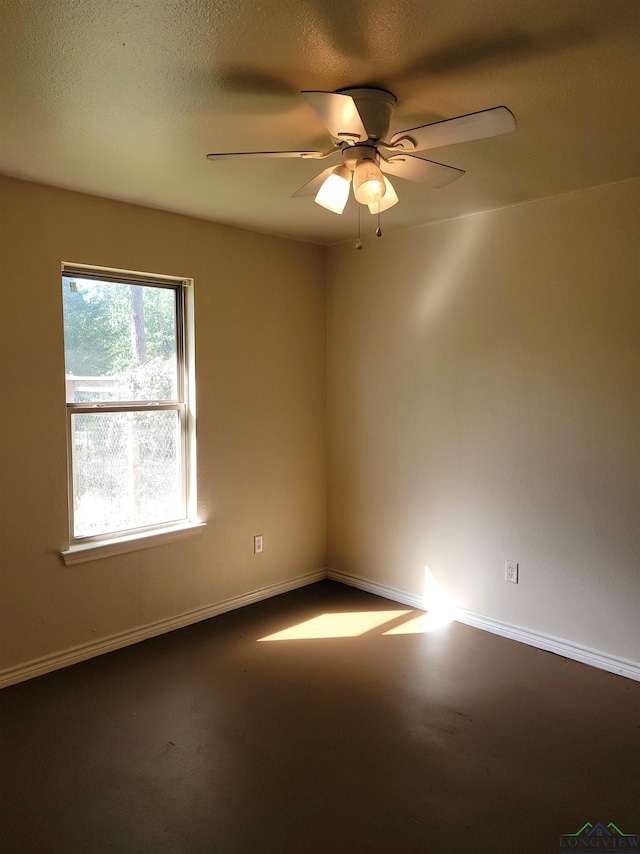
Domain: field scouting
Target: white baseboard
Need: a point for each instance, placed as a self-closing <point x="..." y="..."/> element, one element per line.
<point x="82" y="652"/>
<point x="379" y="589"/>
<point x="566" y="648"/>
<point x="560" y="646"/>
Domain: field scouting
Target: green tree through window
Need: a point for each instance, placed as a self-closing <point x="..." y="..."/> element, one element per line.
<point x="127" y="412"/>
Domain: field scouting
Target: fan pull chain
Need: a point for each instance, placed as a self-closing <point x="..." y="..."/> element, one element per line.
<point x="378" y="229"/>
<point x="358" y="241"/>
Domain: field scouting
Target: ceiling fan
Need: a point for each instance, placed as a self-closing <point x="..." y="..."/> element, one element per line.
<point x="358" y="123"/>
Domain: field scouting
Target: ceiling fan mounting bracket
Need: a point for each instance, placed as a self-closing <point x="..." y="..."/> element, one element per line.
<point x="376" y="108"/>
<point x="353" y="154"/>
<point x="405" y="143"/>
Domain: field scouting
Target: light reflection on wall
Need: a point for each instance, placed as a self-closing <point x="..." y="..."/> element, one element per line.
<point x="436" y="602"/>
<point x="447" y="268"/>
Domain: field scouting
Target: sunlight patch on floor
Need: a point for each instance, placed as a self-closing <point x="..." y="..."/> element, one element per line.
<point x="351" y="624"/>
<point x="339" y="625"/>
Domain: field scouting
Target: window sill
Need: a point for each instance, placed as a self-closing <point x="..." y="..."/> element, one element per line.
<point x="131" y="543"/>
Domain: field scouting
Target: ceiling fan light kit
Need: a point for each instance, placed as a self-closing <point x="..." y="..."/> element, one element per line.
<point x="368" y="182"/>
<point x="358" y="121"/>
<point x="389" y="199"/>
<point x="334" y="192"/>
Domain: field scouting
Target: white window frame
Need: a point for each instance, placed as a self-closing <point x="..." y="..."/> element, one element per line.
<point x="88" y="548"/>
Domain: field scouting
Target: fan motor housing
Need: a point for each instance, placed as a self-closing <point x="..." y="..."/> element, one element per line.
<point x="376" y="107"/>
<point x="353" y="154"/>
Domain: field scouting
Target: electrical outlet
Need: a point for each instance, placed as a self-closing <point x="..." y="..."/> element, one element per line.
<point x="511" y="571"/>
<point x="258" y="544"/>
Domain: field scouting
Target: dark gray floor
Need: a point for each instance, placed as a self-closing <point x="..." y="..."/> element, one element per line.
<point x="206" y="740"/>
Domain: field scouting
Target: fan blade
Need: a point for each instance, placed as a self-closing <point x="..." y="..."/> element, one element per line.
<point x="314" y="185"/>
<point x="421" y="170"/>
<point x="486" y="123"/>
<point x="339" y="114"/>
<point x="229" y="154"/>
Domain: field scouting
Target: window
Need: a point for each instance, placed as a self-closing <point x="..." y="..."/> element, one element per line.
<point x="129" y="393"/>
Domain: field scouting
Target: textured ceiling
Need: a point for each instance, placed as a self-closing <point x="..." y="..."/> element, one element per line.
<point x="124" y="99"/>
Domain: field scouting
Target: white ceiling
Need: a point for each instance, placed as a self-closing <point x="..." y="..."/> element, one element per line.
<point x="124" y="99"/>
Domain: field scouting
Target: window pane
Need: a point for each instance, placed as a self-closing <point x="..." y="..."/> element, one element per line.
<point x="126" y="470"/>
<point x="119" y="340"/>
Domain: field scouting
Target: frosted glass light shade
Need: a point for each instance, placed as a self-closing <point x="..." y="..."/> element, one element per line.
<point x="387" y="201"/>
<point x="368" y="182"/>
<point x="334" y="192"/>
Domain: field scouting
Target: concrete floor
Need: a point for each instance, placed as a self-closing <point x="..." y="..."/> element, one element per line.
<point x="209" y="740"/>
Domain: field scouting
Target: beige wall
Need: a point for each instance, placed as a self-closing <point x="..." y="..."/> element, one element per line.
<point x="260" y="366"/>
<point x="483" y="402"/>
<point x="484" y="382"/>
